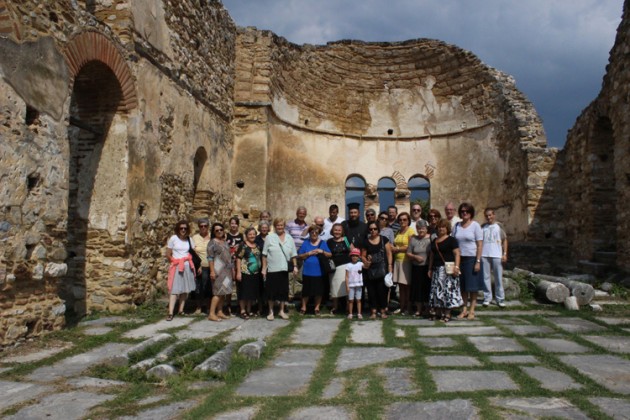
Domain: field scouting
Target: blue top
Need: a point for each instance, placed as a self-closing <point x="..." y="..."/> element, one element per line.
<point x="311" y="264"/>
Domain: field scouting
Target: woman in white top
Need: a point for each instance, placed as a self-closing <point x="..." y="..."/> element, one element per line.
<point x="470" y="238"/>
<point x="181" y="273"/>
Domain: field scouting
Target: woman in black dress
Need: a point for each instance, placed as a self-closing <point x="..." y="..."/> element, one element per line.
<point x="445" y="292"/>
<point x="376" y="254"/>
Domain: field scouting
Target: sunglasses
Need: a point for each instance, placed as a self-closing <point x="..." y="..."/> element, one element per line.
<point x="218" y="230"/>
<point x="464" y="211"/>
<point x="203" y="226"/>
<point x="415" y="209"/>
<point x="373" y="229"/>
<point x="183" y="228"/>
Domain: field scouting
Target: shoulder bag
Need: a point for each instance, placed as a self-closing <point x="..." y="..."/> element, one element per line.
<point x="195" y="257"/>
<point x="326" y="264"/>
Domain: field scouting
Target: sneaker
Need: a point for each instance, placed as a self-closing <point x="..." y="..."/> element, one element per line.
<point x="396" y="312"/>
<point x="360" y="316"/>
<point x="486" y="304"/>
<point x="349" y="316"/>
<point x="270" y="317"/>
<point x="501" y="304"/>
<point x="283" y="315"/>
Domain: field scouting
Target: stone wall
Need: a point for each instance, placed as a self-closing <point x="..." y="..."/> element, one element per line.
<point x="307" y="117"/>
<point x="99" y="145"/>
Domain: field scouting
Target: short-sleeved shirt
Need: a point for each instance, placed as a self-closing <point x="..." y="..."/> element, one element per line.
<point x="311" y="264"/>
<point x="328" y="224"/>
<point x="278" y="253"/>
<point x="467" y="238"/>
<point x="493" y="237"/>
<point x="446" y="249"/>
<point x="180" y="248"/>
<point x="201" y="248"/>
<point x="295" y="230"/>
<point x="233" y="241"/>
<point x="250" y="258"/>
<point x="355" y="274"/>
<point x="420" y="247"/>
<point x="388" y="233"/>
<point x="340" y="251"/>
<point x="402" y="240"/>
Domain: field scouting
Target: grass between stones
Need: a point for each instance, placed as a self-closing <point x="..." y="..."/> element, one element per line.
<point x="364" y="390"/>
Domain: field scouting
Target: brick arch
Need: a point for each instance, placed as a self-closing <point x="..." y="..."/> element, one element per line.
<point x="91" y="46"/>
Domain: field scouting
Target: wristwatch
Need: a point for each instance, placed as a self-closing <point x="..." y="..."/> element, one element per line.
<point x="479" y="261"/>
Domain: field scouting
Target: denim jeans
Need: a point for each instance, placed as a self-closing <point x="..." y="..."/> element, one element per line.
<point x="491" y="265"/>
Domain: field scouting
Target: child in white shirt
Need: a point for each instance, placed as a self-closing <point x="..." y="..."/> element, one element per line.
<point x="354" y="282"/>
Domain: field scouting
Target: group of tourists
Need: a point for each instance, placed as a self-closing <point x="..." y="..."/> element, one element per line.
<point x="433" y="265"/>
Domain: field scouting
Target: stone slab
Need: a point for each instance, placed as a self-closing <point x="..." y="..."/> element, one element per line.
<point x="150" y="330"/>
<point x="97" y="330"/>
<point x="357" y="357"/>
<point x="245" y="413"/>
<point x="455" y="323"/>
<point x="438" y="410"/>
<point x="17" y="392"/>
<point x="414" y="322"/>
<point x="616" y="408"/>
<point x="4" y="369"/>
<point x="36" y="355"/>
<point x="88" y="382"/>
<point x="559" y="345"/>
<point x="289" y="374"/>
<point x="316" y="331"/>
<point x="207" y="329"/>
<point x="437" y="342"/>
<point x="539" y="407"/>
<point x="166" y="412"/>
<point x="73" y="366"/>
<point x="105" y="321"/>
<point x="458" y="361"/>
<point x="576" y="325"/>
<point x="400" y="333"/>
<point x="551" y="379"/>
<point x="152" y="399"/>
<point x="610" y="371"/>
<point x="472" y="380"/>
<point x="457" y="330"/>
<point x="367" y="333"/>
<point x="511" y="313"/>
<point x="399" y="381"/>
<point x="256" y="329"/>
<point x="321" y="412"/>
<point x="333" y="389"/>
<point x="530" y="329"/>
<point x="67" y="406"/>
<point x="515" y="359"/>
<point x="614" y="321"/>
<point x="614" y="343"/>
<point x="495" y="344"/>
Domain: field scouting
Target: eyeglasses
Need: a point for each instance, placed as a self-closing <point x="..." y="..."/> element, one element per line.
<point x="416" y="209"/>
<point x="403" y="219"/>
<point x="203" y="226"/>
<point x="373" y="229"/>
<point x="432" y="216"/>
<point x="382" y="218"/>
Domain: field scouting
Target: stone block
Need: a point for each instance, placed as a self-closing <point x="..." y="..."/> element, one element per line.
<point x="56" y="270"/>
<point x="253" y="350"/>
<point x="219" y="362"/>
<point x="162" y="371"/>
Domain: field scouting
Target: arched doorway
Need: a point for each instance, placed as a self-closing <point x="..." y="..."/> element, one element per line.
<point x="355" y="193"/>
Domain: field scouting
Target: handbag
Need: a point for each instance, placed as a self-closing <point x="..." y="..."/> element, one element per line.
<point x="290" y="265"/>
<point x="326" y="264"/>
<point x="195" y="257"/>
<point x="389" y="280"/>
<point x="448" y="265"/>
<point x="377" y="266"/>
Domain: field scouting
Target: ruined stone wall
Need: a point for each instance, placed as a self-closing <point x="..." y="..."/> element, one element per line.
<point x="308" y="117"/>
<point x="594" y="170"/>
<point x="85" y="91"/>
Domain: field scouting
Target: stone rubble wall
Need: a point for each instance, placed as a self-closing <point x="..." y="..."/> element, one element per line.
<point x="184" y="104"/>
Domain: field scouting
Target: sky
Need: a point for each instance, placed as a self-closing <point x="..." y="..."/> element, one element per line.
<point x="556" y="50"/>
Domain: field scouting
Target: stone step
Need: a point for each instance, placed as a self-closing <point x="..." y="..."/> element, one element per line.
<point x="594" y="268"/>
<point x="605" y="257"/>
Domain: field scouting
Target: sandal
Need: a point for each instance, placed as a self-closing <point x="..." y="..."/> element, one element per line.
<point x="462" y="315"/>
<point x="446" y="319"/>
<point x="302" y="311"/>
<point x="244" y="315"/>
<point x="332" y="311"/>
<point x="316" y="312"/>
<point x="169" y="317"/>
<point x="471" y="316"/>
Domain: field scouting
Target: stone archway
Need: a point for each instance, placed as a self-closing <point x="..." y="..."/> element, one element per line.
<point x="102" y="93"/>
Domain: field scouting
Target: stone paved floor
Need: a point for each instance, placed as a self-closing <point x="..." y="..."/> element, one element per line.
<point x="514" y="363"/>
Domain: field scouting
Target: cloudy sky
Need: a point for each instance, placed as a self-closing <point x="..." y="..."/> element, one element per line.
<point x="557" y="50"/>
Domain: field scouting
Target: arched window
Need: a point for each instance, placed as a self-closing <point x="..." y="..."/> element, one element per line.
<point x="386" y="193"/>
<point x="420" y="189"/>
<point x="355" y="190"/>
